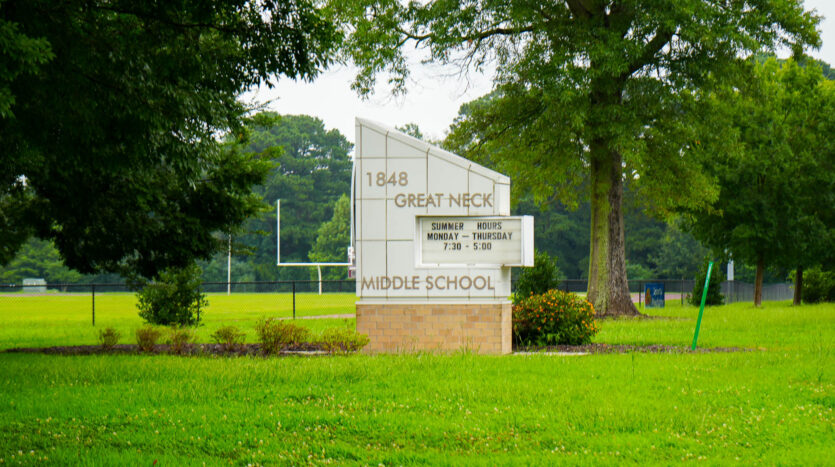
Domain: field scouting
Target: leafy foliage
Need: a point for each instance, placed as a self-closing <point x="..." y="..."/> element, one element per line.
<point x="275" y="334"/>
<point x="774" y="207"/>
<point x="311" y="170"/>
<point x="332" y="240"/>
<point x="714" y="287"/>
<point x="38" y="258"/>
<point x="111" y="115"/>
<point x="175" y="298"/>
<point x="818" y="285"/>
<point x="607" y="90"/>
<point x="542" y="277"/>
<point x="553" y="318"/>
<point x="636" y="271"/>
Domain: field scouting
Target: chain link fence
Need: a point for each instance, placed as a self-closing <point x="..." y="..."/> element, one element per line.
<point x="284" y="299"/>
<point x="293" y="299"/>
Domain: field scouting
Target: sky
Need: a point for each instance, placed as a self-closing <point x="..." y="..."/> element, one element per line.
<point x="435" y="93"/>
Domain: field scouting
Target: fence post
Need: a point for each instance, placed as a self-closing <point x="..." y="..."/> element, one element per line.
<point x="294" y="299"/>
<point x="93" y="290"/>
<point x="640" y="294"/>
<point x="682" y="291"/>
<point x="198" y="305"/>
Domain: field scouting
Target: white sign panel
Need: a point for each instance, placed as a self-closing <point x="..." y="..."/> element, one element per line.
<point x="400" y="180"/>
<point x="474" y="240"/>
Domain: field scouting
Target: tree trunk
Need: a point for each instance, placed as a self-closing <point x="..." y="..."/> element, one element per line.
<point x="758" y="281"/>
<point x="608" y="289"/>
<point x="798" y="285"/>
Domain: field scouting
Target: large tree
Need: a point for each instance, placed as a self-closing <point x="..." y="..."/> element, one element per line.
<point x="597" y="87"/>
<point x="775" y="201"/>
<point x="111" y="116"/>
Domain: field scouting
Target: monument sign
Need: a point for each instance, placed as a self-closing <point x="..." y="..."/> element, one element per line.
<point x="434" y="246"/>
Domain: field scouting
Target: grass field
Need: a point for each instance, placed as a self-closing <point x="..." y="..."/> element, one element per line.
<point x="66" y="319"/>
<point x="772" y="405"/>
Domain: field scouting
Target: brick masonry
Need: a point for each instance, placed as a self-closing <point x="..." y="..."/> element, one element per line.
<point x="392" y="327"/>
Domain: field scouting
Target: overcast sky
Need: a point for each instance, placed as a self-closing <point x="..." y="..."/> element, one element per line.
<point x="435" y="93"/>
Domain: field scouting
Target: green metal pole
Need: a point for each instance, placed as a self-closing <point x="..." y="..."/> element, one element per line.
<point x="702" y="307"/>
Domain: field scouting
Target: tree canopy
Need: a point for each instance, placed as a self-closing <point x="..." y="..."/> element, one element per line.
<point x="774" y="205"/>
<point x="111" y="115"/>
<point x="583" y="87"/>
<point x="311" y="169"/>
<point x="333" y="239"/>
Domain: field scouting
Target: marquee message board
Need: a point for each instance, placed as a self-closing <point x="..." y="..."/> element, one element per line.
<point x="401" y="185"/>
<point x="480" y="240"/>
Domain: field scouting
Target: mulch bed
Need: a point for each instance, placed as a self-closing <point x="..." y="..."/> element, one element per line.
<point x="623" y="348"/>
<point x="308" y="349"/>
<point x="305" y="349"/>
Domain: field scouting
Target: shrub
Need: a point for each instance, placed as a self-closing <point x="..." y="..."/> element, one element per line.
<point x="342" y="340"/>
<point x="147" y="337"/>
<point x="818" y="285"/>
<point x="229" y="337"/>
<point x="174" y="298"/>
<point x="180" y="339"/>
<point x="109" y="337"/>
<point x="714" y="289"/>
<point x="554" y="318"/>
<point x="542" y="277"/>
<point x="276" y="334"/>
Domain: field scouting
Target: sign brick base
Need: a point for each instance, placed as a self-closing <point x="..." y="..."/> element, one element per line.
<point x="394" y="327"/>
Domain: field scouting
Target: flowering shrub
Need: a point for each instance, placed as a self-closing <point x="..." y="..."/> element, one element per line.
<point x="553" y="318"/>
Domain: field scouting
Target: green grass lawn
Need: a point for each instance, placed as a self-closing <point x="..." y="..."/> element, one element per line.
<point x="773" y="405"/>
<point x="66" y="319"/>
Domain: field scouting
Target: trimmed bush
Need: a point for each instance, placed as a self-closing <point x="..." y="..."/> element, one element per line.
<point x="276" y="334"/>
<point x="230" y="338"/>
<point x="542" y="277"/>
<point x="147" y="337"/>
<point x="109" y="337"/>
<point x="174" y="298"/>
<point x="714" y="294"/>
<point x="553" y="318"/>
<point x="180" y="339"/>
<point x="342" y="340"/>
<point x="818" y="285"/>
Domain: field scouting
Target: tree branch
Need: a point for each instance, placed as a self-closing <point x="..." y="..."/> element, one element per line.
<point x="149" y="17"/>
<point x="580" y="8"/>
<point x="653" y="46"/>
<point x="478" y="37"/>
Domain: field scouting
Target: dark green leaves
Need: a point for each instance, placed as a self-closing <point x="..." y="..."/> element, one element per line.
<point x="112" y="147"/>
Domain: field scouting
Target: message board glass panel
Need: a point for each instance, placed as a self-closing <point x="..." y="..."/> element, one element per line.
<point x="463" y="240"/>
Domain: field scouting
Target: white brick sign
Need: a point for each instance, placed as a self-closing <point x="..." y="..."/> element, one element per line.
<point x="403" y="186"/>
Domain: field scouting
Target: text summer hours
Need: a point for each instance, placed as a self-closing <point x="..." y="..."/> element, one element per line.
<point x="445" y="227"/>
